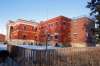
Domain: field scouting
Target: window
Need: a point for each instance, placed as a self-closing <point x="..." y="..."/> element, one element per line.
<point x="24" y="27"/>
<point x="49" y="25"/>
<point x="57" y="23"/>
<point x="93" y="31"/>
<point x="35" y="29"/>
<point x="24" y="36"/>
<point x="63" y="23"/>
<point x="35" y="37"/>
<point x="11" y="28"/>
<point x="49" y="37"/>
<point x="41" y="27"/>
<point x="56" y="36"/>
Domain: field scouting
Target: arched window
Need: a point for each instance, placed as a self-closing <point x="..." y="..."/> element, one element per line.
<point x="11" y="28"/>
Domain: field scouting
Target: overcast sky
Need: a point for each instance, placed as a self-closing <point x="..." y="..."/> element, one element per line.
<point x="39" y="10"/>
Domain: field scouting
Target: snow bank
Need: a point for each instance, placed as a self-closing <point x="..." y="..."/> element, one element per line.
<point x="37" y="47"/>
<point x="3" y="47"/>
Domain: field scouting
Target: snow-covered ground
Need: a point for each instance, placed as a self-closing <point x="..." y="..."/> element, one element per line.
<point x="37" y="47"/>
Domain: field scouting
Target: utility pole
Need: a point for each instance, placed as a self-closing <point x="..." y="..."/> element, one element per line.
<point x="46" y="33"/>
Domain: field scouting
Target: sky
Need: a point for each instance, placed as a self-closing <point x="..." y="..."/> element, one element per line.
<point x="38" y="10"/>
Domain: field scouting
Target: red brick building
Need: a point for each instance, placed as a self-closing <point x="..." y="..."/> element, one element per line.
<point x="21" y="31"/>
<point x="65" y="31"/>
<point x="82" y="32"/>
<point x="56" y="31"/>
<point x="2" y="38"/>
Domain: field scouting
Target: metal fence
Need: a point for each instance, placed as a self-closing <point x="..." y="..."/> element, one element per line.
<point x="89" y="56"/>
